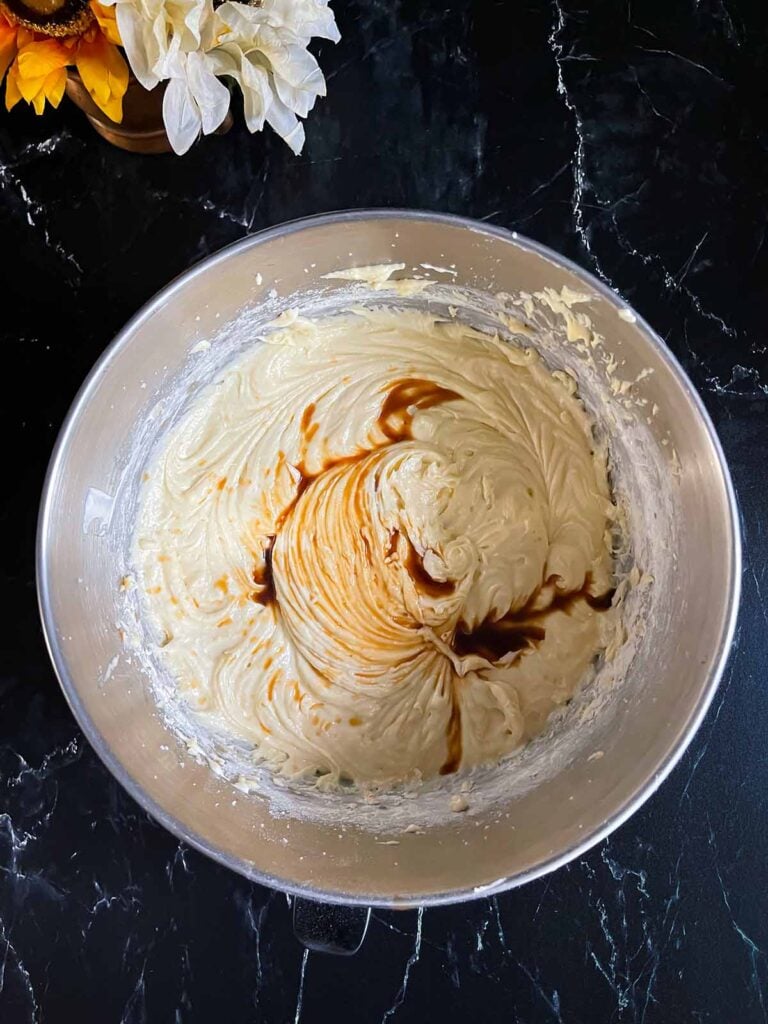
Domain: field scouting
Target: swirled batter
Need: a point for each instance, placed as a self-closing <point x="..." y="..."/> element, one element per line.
<point x="379" y="547"/>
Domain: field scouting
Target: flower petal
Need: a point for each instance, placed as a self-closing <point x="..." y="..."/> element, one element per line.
<point x="7" y="46"/>
<point x="297" y="100"/>
<point x="297" y="21"/>
<point x="305" y="18"/>
<point x="39" y="73"/>
<point x="54" y="86"/>
<point x="38" y="58"/>
<point x="286" y="124"/>
<point x="225" y="60"/>
<point x="104" y="74"/>
<point x="12" y="92"/>
<point x="211" y="95"/>
<point x="241" y="19"/>
<point x="181" y="116"/>
<point x="194" y="20"/>
<point x="297" y="67"/>
<point x="132" y="28"/>
<point x="107" y="21"/>
<point x="257" y="94"/>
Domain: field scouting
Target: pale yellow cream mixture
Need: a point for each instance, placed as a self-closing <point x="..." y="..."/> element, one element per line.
<point x="379" y="547"/>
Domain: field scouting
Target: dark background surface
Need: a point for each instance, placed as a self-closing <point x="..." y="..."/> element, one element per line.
<point x="629" y="135"/>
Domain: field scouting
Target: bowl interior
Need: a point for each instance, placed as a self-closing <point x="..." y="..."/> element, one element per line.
<point x="614" y="745"/>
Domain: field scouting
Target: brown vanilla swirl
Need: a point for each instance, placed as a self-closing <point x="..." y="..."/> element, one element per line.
<point x="378" y="548"/>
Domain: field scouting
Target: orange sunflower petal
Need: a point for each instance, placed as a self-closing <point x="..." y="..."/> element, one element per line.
<point x="107" y="20"/>
<point x="54" y="86"/>
<point x="7" y="46"/>
<point x="39" y="73"/>
<point x="39" y="58"/>
<point x="12" y="93"/>
<point x="30" y="88"/>
<point x="104" y="74"/>
<point x="38" y="102"/>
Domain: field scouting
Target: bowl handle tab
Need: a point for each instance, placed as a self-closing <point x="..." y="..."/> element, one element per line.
<point x="330" y="928"/>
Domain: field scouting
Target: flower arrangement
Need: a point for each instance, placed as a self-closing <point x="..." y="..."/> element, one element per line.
<point x="194" y="46"/>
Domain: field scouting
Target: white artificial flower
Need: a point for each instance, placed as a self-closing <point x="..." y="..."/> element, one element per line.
<point x="263" y="48"/>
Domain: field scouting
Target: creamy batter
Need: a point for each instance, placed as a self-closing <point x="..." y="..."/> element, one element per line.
<point x="379" y="547"/>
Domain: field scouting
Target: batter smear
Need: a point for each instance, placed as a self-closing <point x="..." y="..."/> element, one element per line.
<point x="379" y="548"/>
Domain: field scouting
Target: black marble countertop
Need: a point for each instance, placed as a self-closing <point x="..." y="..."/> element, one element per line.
<point x="631" y="136"/>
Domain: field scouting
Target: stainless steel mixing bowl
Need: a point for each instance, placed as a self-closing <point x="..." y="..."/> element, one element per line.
<point x="470" y="854"/>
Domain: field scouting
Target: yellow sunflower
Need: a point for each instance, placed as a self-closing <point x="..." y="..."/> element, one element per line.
<point x="40" y="39"/>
